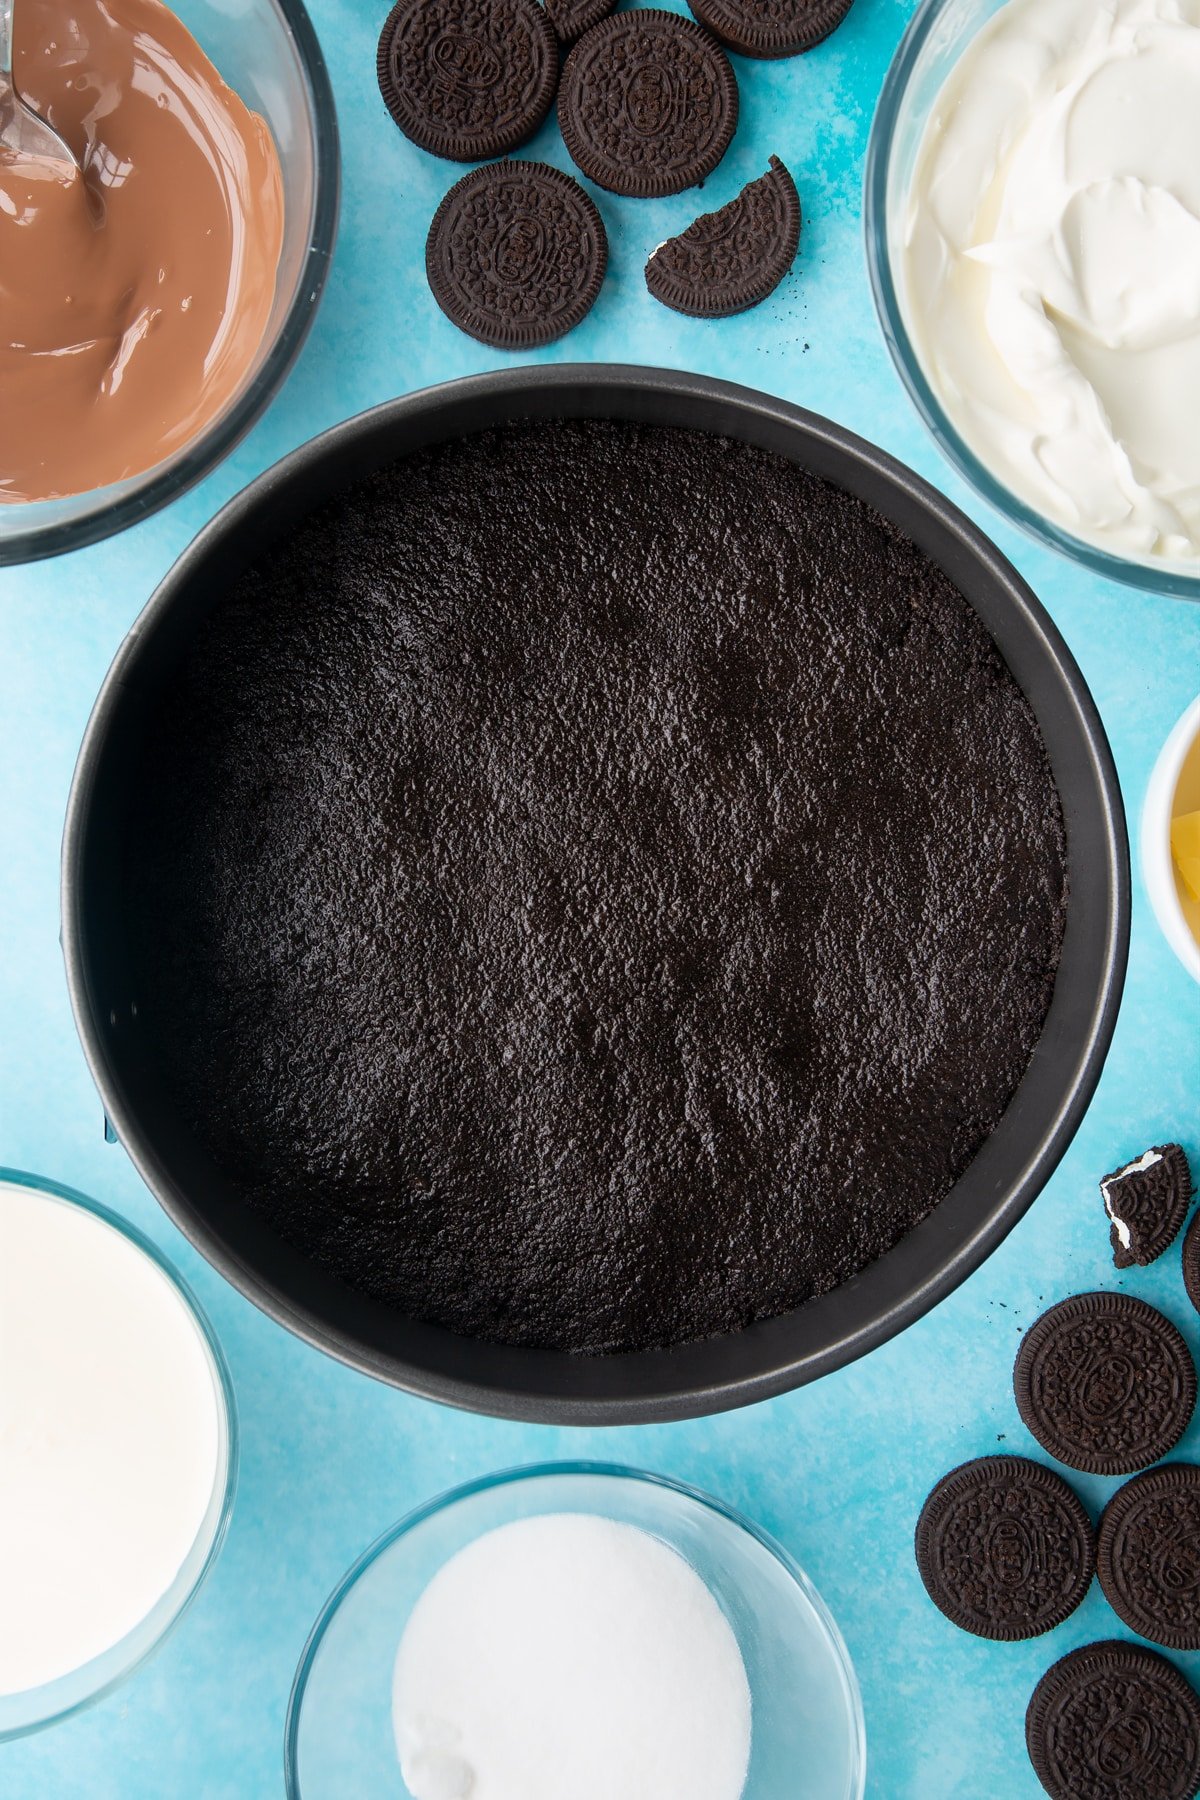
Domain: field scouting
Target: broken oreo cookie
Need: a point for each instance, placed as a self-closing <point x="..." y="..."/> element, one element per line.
<point x="647" y="103"/>
<point x="1005" y="1548"/>
<point x="1105" y="1383"/>
<point x="516" y="254"/>
<point x="467" y="79"/>
<point x="1114" y="1721"/>
<point x="1149" y="1555"/>
<point x="770" y="28"/>
<point x="732" y="259"/>
<point x="1147" y="1202"/>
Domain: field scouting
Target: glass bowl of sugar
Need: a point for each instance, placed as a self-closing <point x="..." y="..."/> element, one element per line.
<point x="575" y="1629"/>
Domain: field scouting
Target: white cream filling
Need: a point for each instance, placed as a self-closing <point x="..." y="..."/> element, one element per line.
<point x="1146" y="1161"/>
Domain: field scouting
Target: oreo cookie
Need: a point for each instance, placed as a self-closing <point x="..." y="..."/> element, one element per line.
<point x="1114" y="1721"/>
<point x="516" y="254"/>
<point x="1191" y="1262"/>
<point x="730" y="260"/>
<point x="467" y="79"/>
<point x="571" y="18"/>
<point x="647" y="104"/>
<point x="1004" y="1547"/>
<point x="1149" y="1555"/>
<point x="1147" y="1202"/>
<point x="769" y="28"/>
<point x="1105" y="1383"/>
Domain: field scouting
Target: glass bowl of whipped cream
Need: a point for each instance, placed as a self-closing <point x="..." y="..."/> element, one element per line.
<point x="1032" y="216"/>
<point x="575" y="1629"/>
<point x="155" y="291"/>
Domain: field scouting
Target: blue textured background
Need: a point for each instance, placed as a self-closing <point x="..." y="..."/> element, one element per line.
<point x="837" y="1472"/>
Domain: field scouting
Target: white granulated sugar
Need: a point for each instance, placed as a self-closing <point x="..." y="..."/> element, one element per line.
<point x="570" y="1657"/>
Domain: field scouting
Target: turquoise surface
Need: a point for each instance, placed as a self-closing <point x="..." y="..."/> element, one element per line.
<point x="837" y="1472"/>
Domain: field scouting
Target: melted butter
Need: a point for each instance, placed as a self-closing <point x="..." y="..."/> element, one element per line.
<point x="133" y="299"/>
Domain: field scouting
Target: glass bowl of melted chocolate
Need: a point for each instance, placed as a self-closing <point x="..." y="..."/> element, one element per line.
<point x="156" y="289"/>
<point x="593" y="894"/>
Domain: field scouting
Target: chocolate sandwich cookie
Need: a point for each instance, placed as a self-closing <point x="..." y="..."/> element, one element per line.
<point x="571" y="18"/>
<point x="1149" y="1555"/>
<point x="648" y="103"/>
<point x="1105" y="1383"/>
<point x="1147" y="1202"/>
<point x="1004" y="1547"/>
<point x="516" y="254"/>
<point x="729" y="260"/>
<point x="1114" y="1721"/>
<point x="1191" y="1262"/>
<point x="769" y="28"/>
<point x="467" y="79"/>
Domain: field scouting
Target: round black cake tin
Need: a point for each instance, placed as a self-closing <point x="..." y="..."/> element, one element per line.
<point x="552" y="1386"/>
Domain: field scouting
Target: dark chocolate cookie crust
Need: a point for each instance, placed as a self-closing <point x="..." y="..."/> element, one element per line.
<point x="560" y="907"/>
<point x="1114" y="1721"/>
<point x="1149" y="1555"/>
<point x="1005" y="1548"/>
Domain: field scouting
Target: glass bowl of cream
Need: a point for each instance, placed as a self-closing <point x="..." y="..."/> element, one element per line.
<point x="1032" y="213"/>
<point x="575" y="1629"/>
<point x="151" y="306"/>
<point x="120" y="1450"/>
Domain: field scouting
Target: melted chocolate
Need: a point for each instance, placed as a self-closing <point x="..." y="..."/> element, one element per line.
<point x="596" y="886"/>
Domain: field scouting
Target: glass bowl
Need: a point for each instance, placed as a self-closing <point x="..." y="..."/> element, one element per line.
<point x="268" y="53"/>
<point x="1174" y="787"/>
<point x="807" y="1712"/>
<point x="36" y="1707"/>
<point x="936" y="37"/>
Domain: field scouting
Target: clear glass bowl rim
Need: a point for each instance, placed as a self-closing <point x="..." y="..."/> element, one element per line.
<point x="538" y="1472"/>
<point x="105" y="518"/>
<point x="1165" y="578"/>
<point x="225" y="1395"/>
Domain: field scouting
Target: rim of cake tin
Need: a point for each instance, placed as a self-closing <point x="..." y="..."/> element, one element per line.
<point x="105" y="517"/>
<point x="1161" y="577"/>
<point x="749" y="1373"/>
<point x="571" y="1470"/>
<point x="227" y="1408"/>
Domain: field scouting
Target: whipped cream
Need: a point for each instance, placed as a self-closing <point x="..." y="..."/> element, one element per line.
<point x="1051" y="264"/>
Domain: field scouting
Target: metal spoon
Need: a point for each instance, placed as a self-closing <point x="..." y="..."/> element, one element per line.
<point x="22" y="133"/>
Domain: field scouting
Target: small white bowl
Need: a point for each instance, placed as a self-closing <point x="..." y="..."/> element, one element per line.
<point x="1174" y="788"/>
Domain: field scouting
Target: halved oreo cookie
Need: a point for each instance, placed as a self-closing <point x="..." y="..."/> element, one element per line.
<point x="1114" y="1721"/>
<point x="1149" y="1555"/>
<point x="768" y="28"/>
<point x="571" y="18"/>
<point x="467" y="79"/>
<point x="516" y="254"/>
<point x="1105" y="1383"/>
<point x="1147" y="1202"/>
<point x="1004" y="1547"/>
<point x="647" y="104"/>
<point x="1191" y="1262"/>
<point x="729" y="260"/>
